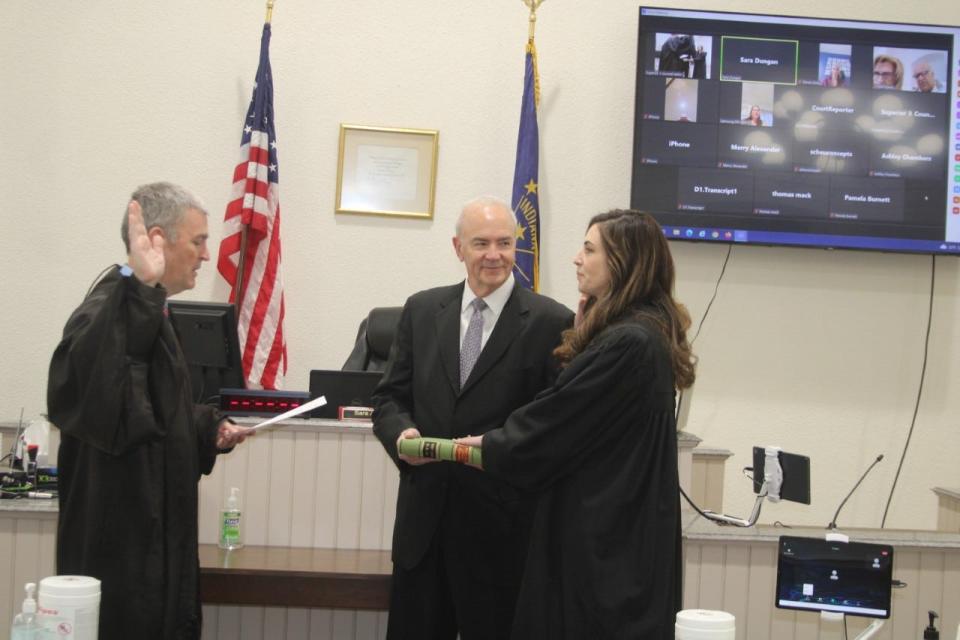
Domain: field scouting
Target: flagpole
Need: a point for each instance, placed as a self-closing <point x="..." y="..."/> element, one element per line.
<point x="525" y="202"/>
<point x="533" y="5"/>
<point x="242" y="257"/>
<point x="252" y="234"/>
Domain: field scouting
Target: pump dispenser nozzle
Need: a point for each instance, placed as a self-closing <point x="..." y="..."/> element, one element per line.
<point x="25" y="625"/>
<point x="29" y="604"/>
<point x="931" y="633"/>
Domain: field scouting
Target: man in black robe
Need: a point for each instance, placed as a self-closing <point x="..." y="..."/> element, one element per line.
<point x="133" y="444"/>
<point x="676" y="52"/>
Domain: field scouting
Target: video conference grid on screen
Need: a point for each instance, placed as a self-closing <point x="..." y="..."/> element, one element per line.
<point x="773" y="127"/>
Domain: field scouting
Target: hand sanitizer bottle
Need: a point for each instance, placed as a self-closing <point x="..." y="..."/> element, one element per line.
<point x="25" y="626"/>
<point x="230" y="535"/>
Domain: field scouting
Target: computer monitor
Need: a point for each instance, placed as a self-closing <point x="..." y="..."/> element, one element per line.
<point x="208" y="339"/>
<point x="853" y="578"/>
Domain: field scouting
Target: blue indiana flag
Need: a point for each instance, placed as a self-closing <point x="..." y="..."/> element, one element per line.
<point x="525" y="201"/>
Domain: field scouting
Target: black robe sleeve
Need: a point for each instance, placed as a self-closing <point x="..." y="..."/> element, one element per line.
<point x="98" y="383"/>
<point x="208" y="420"/>
<point x="99" y="386"/>
<point x="550" y="437"/>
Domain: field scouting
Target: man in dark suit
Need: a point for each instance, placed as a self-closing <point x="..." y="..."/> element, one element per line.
<point x="459" y="367"/>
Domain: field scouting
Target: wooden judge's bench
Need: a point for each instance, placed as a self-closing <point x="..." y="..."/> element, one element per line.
<point x="318" y="501"/>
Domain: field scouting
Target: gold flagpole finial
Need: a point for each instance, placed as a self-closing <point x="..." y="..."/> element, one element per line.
<point x="531" y="48"/>
<point x="269" y="11"/>
<point x="533" y="6"/>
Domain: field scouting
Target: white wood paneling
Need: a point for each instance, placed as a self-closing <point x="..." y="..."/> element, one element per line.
<point x="327" y="490"/>
<point x="27" y="543"/>
<point x="306" y="488"/>
<point x="348" y="506"/>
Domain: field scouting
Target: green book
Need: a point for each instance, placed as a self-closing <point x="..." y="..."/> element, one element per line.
<point x="440" y="449"/>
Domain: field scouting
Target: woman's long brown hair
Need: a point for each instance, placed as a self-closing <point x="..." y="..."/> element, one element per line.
<point x="641" y="286"/>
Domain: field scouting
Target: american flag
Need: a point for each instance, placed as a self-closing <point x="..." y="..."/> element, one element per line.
<point x="525" y="200"/>
<point x="255" y="207"/>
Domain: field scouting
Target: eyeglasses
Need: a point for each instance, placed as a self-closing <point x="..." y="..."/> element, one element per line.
<point x="921" y="74"/>
<point x="883" y="74"/>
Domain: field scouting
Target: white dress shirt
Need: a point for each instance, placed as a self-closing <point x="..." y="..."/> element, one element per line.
<point x="495" y="303"/>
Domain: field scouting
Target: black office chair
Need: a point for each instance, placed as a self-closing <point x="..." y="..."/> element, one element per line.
<point x="372" y="349"/>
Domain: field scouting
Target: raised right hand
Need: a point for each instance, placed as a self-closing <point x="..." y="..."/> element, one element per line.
<point x="146" y="251"/>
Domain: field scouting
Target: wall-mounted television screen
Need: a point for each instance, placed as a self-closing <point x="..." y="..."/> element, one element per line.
<point x="798" y="131"/>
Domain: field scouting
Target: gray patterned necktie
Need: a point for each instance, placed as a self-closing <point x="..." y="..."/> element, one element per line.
<point x="470" y="350"/>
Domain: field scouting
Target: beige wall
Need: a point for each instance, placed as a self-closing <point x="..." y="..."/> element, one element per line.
<point x="818" y="352"/>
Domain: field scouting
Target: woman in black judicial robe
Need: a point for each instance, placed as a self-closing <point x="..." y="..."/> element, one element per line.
<point x="600" y="447"/>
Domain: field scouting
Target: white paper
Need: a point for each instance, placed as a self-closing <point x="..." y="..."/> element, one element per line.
<point x="387" y="172"/>
<point x="313" y="404"/>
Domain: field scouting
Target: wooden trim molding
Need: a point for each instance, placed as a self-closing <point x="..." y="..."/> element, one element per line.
<point x="296" y="577"/>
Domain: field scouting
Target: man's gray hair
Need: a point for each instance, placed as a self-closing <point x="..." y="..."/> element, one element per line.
<point x="163" y="205"/>
<point x="930" y="59"/>
<point x="480" y="202"/>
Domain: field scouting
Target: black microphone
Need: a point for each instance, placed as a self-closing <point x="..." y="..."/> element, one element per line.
<point x="833" y="523"/>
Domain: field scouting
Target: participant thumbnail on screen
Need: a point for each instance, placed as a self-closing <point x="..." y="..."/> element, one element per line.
<point x="756" y="104"/>
<point x="714" y="190"/>
<point x="680" y="100"/>
<point x="763" y="149"/>
<point x="835" y="67"/>
<point x="896" y="116"/>
<point x="920" y="70"/>
<point x="792" y="195"/>
<point x="746" y="103"/>
<point x="683" y="55"/>
<point x="759" y="59"/>
<point x="685" y="144"/>
<point x="866" y="199"/>
<point x="841" y="152"/>
<point x="812" y="109"/>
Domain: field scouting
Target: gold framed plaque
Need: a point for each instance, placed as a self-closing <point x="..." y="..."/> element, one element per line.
<point x="387" y="171"/>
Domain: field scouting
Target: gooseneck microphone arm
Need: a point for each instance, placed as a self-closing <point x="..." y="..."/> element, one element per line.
<point x="833" y="523"/>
